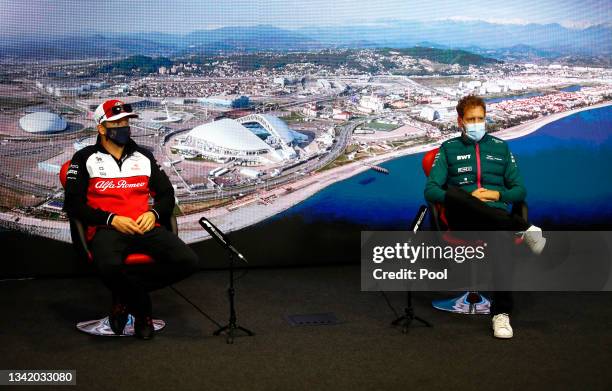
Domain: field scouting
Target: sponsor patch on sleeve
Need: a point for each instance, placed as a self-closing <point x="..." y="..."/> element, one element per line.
<point x="73" y="171"/>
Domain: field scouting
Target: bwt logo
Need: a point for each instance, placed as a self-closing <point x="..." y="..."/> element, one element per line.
<point x="464" y="157"/>
<point x="122" y="184"/>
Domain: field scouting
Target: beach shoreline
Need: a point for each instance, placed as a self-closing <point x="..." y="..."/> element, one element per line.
<point x="307" y="187"/>
<point x="271" y="202"/>
<point x="533" y="125"/>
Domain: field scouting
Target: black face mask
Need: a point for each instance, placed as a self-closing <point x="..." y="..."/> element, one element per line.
<point x="119" y="136"/>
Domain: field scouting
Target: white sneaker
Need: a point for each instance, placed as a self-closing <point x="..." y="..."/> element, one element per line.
<point x="534" y="239"/>
<point x="501" y="326"/>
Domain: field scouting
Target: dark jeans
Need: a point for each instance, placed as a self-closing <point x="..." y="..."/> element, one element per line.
<point x="465" y="212"/>
<point x="174" y="261"/>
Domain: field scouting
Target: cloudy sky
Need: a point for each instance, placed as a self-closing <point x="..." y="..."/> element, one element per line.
<point x="183" y="16"/>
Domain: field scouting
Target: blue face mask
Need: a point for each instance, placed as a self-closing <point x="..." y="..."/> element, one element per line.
<point x="475" y="132"/>
<point x="119" y="136"/>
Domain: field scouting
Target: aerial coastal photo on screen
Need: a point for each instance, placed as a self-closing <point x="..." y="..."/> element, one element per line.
<point x="249" y="121"/>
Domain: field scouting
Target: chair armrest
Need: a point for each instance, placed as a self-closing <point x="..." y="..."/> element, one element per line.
<point x="434" y="216"/>
<point x="520" y="209"/>
<point x="170" y="224"/>
<point x="173" y="226"/>
<point x="79" y="239"/>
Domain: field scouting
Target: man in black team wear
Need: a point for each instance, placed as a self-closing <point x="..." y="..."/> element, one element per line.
<point x="476" y="177"/>
<point x="108" y="188"/>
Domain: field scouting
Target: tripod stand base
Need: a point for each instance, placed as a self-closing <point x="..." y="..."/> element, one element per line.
<point x="406" y="320"/>
<point x="230" y="331"/>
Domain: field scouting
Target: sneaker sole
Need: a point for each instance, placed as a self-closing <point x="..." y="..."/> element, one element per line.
<point x="503" y="337"/>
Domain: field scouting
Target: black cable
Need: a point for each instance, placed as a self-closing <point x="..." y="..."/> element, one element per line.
<point x="171" y="287"/>
<point x="389" y="304"/>
<point x="195" y="306"/>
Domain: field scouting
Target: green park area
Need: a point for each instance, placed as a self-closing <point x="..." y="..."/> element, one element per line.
<point x="380" y="126"/>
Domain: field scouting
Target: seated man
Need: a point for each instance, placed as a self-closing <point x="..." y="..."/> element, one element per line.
<point x="476" y="176"/>
<point x="108" y="186"/>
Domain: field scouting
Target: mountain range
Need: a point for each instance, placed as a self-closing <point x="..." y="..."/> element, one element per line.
<point x="501" y="41"/>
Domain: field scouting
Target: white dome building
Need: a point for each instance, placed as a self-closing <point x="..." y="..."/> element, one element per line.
<point x="227" y="139"/>
<point x="42" y="122"/>
<point x="429" y="113"/>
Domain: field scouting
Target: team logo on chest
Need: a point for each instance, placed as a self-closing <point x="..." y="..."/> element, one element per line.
<point x="118" y="184"/>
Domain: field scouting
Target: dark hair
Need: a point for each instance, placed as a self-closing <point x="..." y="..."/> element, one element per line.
<point x="470" y="101"/>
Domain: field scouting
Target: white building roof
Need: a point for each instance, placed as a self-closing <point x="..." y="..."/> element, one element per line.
<point x="285" y="133"/>
<point x="42" y="122"/>
<point x="229" y="134"/>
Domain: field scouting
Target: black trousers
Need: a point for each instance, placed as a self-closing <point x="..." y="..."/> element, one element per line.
<point x="174" y="261"/>
<point x="465" y="212"/>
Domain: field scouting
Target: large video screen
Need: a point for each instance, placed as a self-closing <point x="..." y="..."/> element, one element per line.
<point x="296" y="125"/>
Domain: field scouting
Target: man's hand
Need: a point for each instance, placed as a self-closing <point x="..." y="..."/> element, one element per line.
<point x="486" y="195"/>
<point x="126" y="225"/>
<point x="146" y="221"/>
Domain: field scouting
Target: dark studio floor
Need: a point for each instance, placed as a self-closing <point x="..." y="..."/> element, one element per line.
<point x="562" y="340"/>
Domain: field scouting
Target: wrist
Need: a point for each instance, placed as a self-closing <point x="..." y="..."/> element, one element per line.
<point x="155" y="214"/>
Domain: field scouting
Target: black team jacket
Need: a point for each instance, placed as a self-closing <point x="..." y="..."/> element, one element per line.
<point x="98" y="186"/>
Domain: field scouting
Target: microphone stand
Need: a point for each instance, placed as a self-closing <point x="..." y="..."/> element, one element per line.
<point x="231" y="328"/>
<point x="406" y="320"/>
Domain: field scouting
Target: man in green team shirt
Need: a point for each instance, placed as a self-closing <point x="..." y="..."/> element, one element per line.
<point x="475" y="177"/>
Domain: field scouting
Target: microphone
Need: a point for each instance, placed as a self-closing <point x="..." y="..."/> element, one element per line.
<point x="220" y="237"/>
<point x="418" y="219"/>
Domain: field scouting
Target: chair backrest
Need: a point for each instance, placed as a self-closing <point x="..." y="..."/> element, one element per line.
<point x="63" y="172"/>
<point x="428" y="160"/>
<point x="438" y="217"/>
